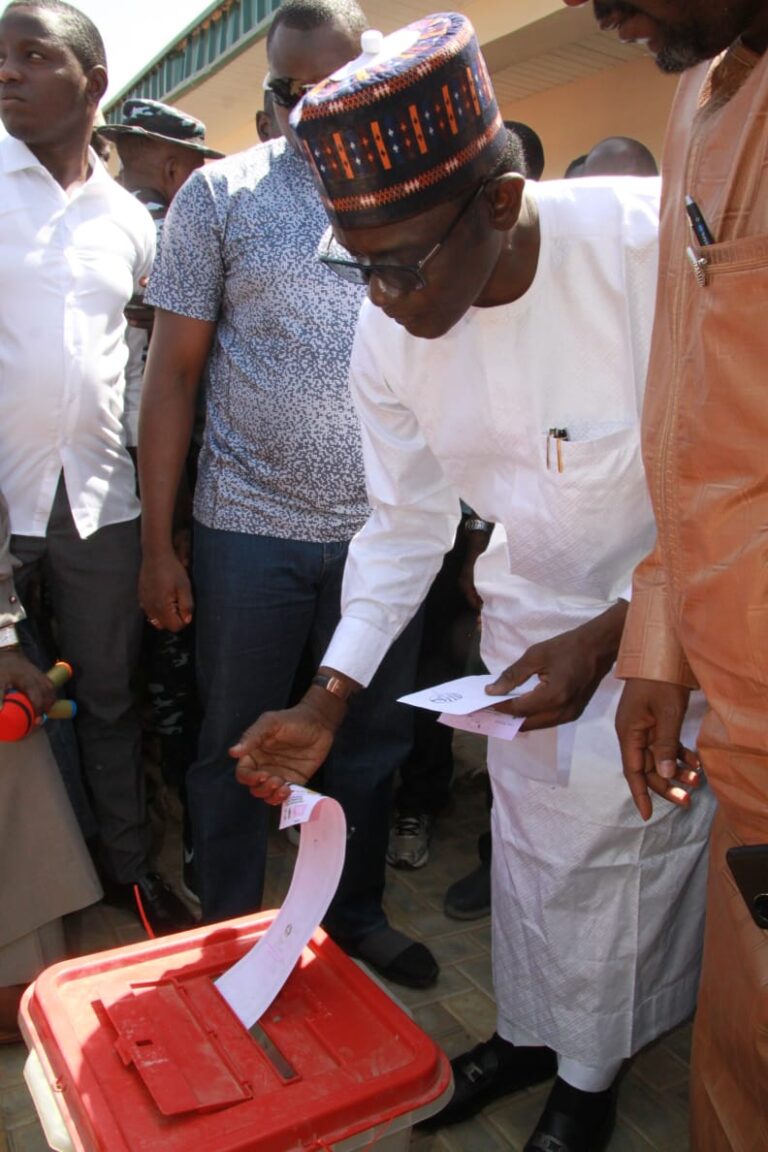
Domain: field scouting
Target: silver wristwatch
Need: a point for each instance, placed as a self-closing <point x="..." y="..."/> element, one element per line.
<point x="9" y="637"/>
<point x="475" y="524"/>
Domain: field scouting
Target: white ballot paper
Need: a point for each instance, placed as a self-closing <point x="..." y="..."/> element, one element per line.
<point x="250" y="985"/>
<point x="464" y="704"/>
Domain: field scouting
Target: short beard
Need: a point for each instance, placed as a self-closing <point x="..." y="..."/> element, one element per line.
<point x="683" y="48"/>
<point x="681" y="53"/>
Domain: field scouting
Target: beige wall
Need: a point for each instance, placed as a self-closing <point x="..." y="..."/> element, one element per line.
<point x="540" y="42"/>
<point x="632" y="99"/>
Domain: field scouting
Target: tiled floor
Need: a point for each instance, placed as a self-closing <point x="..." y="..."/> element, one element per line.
<point x="458" y="1011"/>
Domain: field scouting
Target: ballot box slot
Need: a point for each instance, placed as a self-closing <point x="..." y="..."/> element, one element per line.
<point x="280" y="1063"/>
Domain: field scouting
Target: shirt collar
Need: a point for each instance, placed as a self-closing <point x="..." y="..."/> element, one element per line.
<point x="16" y="157"/>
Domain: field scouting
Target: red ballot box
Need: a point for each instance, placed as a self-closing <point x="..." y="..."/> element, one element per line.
<point x="134" y="1050"/>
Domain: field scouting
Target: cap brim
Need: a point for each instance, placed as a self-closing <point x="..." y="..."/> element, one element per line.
<point x="115" y="131"/>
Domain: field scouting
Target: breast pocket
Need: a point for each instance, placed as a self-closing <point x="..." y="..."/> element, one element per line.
<point x="732" y="302"/>
<point x="589" y="519"/>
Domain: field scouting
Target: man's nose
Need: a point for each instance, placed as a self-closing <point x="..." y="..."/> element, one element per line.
<point x="381" y="292"/>
<point x="8" y="69"/>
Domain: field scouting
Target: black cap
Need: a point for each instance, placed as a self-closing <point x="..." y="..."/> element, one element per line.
<point x="159" y="121"/>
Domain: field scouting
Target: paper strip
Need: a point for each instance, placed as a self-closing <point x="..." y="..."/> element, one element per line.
<point x="250" y="985"/>
<point x="485" y="723"/>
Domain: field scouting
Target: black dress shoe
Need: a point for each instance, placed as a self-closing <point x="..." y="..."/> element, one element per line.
<point x="470" y="897"/>
<point x="154" y="902"/>
<point x="488" y="1071"/>
<point x="574" y="1121"/>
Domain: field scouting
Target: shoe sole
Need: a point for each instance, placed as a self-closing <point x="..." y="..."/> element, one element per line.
<point x="408" y="865"/>
<point x="470" y="914"/>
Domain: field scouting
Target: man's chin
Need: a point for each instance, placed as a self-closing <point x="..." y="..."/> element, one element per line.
<point x="423" y="327"/>
<point x="673" y="61"/>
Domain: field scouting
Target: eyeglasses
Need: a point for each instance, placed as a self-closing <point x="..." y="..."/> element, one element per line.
<point x="401" y="277"/>
<point x="285" y="91"/>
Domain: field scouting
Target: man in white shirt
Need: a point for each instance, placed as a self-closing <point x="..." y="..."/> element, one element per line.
<point x="501" y="355"/>
<point x="78" y="247"/>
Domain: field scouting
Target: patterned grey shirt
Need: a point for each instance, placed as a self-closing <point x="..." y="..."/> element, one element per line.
<point x="281" y="452"/>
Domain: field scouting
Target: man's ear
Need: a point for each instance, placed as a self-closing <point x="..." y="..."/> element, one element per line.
<point x="172" y="178"/>
<point x="504" y="196"/>
<point x="96" y="84"/>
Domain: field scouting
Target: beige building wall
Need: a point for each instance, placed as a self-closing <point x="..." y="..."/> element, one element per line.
<point x="632" y="99"/>
<point x="551" y="67"/>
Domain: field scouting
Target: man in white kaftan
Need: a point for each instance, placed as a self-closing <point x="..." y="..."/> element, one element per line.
<point x="525" y="400"/>
<point x="596" y="938"/>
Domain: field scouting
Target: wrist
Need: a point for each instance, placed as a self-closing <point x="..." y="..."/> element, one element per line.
<point x="608" y="627"/>
<point x="9" y="638"/>
<point x="477" y="524"/>
<point x="326" y="709"/>
<point x="329" y="693"/>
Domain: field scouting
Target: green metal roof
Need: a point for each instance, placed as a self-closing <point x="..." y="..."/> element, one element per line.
<point x="207" y="44"/>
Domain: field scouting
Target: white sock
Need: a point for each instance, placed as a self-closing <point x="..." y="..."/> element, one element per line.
<point x="588" y="1077"/>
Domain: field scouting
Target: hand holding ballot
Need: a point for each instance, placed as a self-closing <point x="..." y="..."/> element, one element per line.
<point x="569" y="668"/>
<point x="288" y="747"/>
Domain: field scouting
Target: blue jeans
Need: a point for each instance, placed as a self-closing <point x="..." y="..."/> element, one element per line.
<point x="261" y="603"/>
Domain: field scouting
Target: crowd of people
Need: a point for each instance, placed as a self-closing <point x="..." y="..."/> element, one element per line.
<point x="281" y="427"/>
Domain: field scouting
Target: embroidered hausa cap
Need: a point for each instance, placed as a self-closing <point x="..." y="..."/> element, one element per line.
<point x="159" y="121"/>
<point x="409" y="124"/>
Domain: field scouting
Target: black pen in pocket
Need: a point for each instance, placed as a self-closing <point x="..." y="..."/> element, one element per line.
<point x="704" y="238"/>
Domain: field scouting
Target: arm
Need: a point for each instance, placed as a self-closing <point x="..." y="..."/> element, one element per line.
<point x="175" y="364"/>
<point x="655" y="698"/>
<point x="477" y="535"/>
<point x="186" y="289"/>
<point x="390" y="566"/>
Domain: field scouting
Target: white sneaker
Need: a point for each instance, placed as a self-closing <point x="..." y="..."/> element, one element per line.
<point x="409" y="841"/>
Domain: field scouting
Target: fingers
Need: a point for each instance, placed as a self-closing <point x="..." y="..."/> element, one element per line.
<point x="669" y="790"/>
<point x="261" y="780"/>
<point x="185" y="604"/>
<point x="513" y="677"/>
<point x="643" y="776"/>
<point x="261" y="783"/>
<point x="173" y="613"/>
<point x="671" y="767"/>
<point x="169" y="620"/>
<point x="41" y="695"/>
<point x="635" y="760"/>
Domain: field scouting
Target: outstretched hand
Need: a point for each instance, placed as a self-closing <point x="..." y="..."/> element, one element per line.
<point x="284" y="748"/>
<point x="648" y="723"/>
<point x="569" y="666"/>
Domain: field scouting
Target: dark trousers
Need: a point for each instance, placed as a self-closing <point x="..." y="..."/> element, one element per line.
<point x="93" y="588"/>
<point x="261" y="602"/>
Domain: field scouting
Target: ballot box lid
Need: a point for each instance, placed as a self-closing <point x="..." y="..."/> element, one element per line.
<point x="144" y="1055"/>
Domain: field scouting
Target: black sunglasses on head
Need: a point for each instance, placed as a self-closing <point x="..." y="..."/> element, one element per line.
<point x="285" y="91"/>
